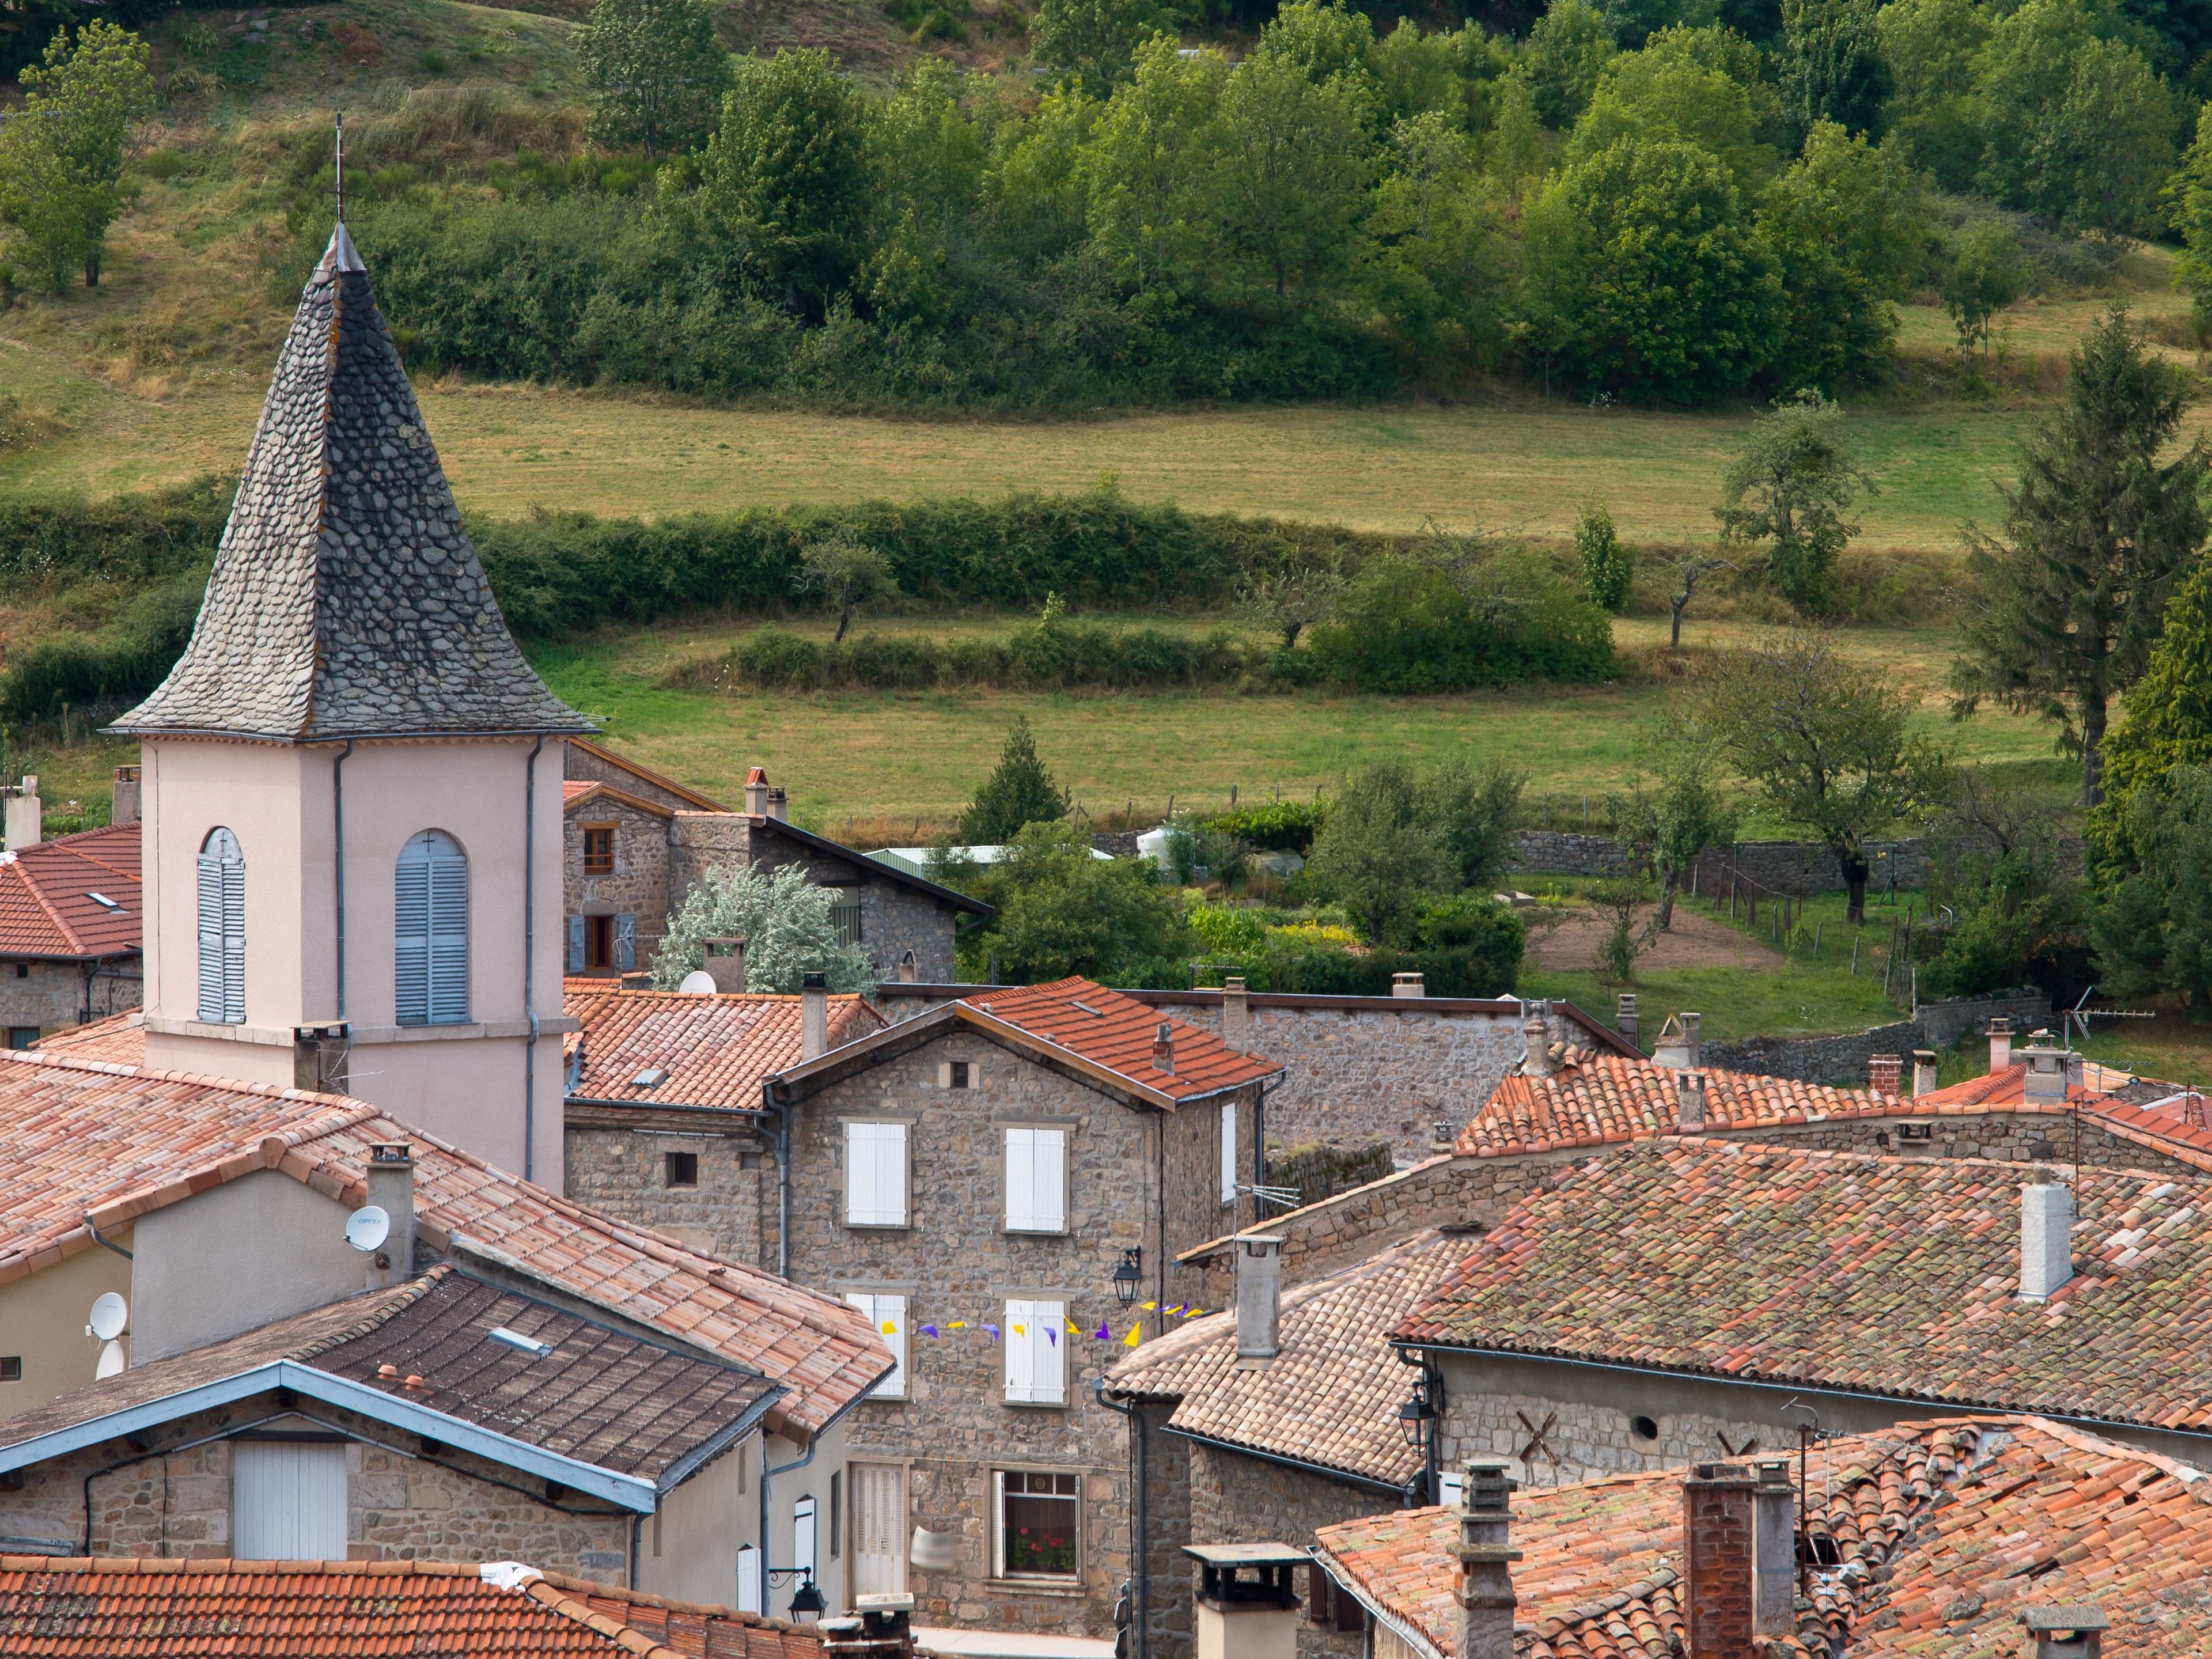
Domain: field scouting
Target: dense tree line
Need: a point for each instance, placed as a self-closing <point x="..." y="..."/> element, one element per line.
<point x="1637" y="202"/>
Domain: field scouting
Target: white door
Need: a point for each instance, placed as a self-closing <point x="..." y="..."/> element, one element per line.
<point x="877" y="1564"/>
<point x="749" y="1579"/>
<point x="288" y="1501"/>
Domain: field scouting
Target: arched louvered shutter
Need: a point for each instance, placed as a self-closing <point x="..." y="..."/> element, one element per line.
<point x="222" y="930"/>
<point x="430" y="955"/>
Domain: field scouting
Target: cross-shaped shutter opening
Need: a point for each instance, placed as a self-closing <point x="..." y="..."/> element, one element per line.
<point x="1036" y="1162"/>
<point x="875" y="1175"/>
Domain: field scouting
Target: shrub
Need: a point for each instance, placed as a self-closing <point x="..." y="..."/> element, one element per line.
<point x="1407" y="625"/>
<point x="1279" y="826"/>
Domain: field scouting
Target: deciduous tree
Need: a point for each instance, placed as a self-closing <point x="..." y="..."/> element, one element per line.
<point x="785" y="921"/>
<point x="1787" y="490"/>
<point x="1092" y="44"/>
<point x="848" y="574"/>
<point x="61" y="155"/>
<point x="656" y="73"/>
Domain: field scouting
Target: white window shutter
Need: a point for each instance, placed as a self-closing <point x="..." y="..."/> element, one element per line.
<point x="212" y="951"/>
<point x="449" y="941"/>
<point x="888" y="1315"/>
<point x="1021" y="1369"/>
<point x="1036" y="1348"/>
<point x="875" y="1175"/>
<point x="749" y="1579"/>
<point x="1229" y="1152"/>
<point x="575" y="944"/>
<point x="1021" y="1186"/>
<point x="234" y="943"/>
<point x="1049" y="1183"/>
<point x="625" y="943"/>
<point x="288" y="1500"/>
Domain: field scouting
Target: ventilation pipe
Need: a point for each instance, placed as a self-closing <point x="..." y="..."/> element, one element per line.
<point x="813" y="1017"/>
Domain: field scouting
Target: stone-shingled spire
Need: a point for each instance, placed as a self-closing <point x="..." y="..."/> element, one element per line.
<point x="346" y="601"/>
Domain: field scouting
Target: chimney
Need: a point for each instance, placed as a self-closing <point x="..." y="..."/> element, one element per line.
<point x="1248" y="1600"/>
<point x="813" y="1017"/>
<point x="2047" y="1240"/>
<point x="1677" y="1047"/>
<point x="1774" y="1551"/>
<point x="1690" y="1100"/>
<point x="725" y="962"/>
<point x="2000" y="1043"/>
<point x="20" y="820"/>
<point x="1883" y="1072"/>
<point x="879" y="1627"/>
<point x="1624" y="1021"/>
<point x="2046" y="1083"/>
<point x="2066" y="1632"/>
<point x="128" y="796"/>
<point x="1485" y="1590"/>
<point x="778" y="807"/>
<point x="1407" y="985"/>
<point x="756" y="792"/>
<point x="1690" y="1034"/>
<point x="1718" y="1577"/>
<point x="1235" y="1014"/>
<point x="1924" y="1071"/>
<point x="910" y="970"/>
<point x="1163" y="1049"/>
<point x="1259" y="1295"/>
<point x="391" y="1182"/>
<point x="1537" y="1061"/>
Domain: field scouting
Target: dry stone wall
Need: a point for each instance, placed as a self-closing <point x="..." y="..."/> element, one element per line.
<point x="729" y="1212"/>
<point x="1843" y="1059"/>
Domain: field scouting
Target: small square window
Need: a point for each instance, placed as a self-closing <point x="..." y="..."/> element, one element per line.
<point x="11" y="1368"/>
<point x="22" y="970"/>
<point x="1039" y="1520"/>
<point x="962" y="1076"/>
<point x="679" y="1168"/>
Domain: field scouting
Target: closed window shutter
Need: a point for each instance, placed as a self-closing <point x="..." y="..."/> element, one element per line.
<point x="875" y="1175"/>
<point x="222" y="932"/>
<point x="449" y="941"/>
<point x="234" y="943"/>
<point x="625" y="942"/>
<point x="1229" y="1152"/>
<point x="888" y="1315"/>
<point x="411" y="962"/>
<point x="1020" y="1371"/>
<point x="749" y="1579"/>
<point x="1020" y="1184"/>
<point x="1035" y="1180"/>
<point x="879" y="1534"/>
<point x="289" y="1501"/>
<point x="575" y="944"/>
<point x="212" y="951"/>
<point x="1035" y="1352"/>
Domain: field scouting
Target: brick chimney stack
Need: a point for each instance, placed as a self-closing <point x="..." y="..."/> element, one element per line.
<point x="1624" y="1019"/>
<point x="129" y="795"/>
<point x="1718" y="1579"/>
<point x="1485" y="1589"/>
<point x="1163" y="1049"/>
<point x="1883" y="1072"/>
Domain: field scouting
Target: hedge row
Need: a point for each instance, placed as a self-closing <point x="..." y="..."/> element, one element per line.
<point x="1052" y="656"/>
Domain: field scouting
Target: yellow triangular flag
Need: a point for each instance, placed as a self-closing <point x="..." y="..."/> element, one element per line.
<point x="957" y="1325"/>
<point x="1149" y="1306"/>
<point x="1130" y="1340"/>
<point x="1072" y="1331"/>
<point x="890" y="1329"/>
<point x="1021" y="1330"/>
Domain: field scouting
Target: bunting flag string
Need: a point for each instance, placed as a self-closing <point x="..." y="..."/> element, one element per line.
<point x="938" y="1333"/>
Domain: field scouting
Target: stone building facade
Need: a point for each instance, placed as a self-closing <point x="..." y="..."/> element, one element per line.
<point x="619" y="1163"/>
<point x="957" y="1090"/>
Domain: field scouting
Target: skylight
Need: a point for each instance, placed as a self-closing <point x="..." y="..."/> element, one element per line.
<point x="529" y="1345"/>
<point x="104" y="901"/>
<point x="651" y="1078"/>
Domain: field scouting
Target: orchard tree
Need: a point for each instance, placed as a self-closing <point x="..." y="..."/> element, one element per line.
<point x="656" y="73"/>
<point x="2067" y="606"/>
<point x="1827" y="746"/>
<point x="848" y="574"/>
<point x="1020" y="792"/>
<point x="785" y="921"/>
<point x="1787" y="490"/>
<point x="1291" y="601"/>
<point x="1676" y="811"/>
<point x="61" y="154"/>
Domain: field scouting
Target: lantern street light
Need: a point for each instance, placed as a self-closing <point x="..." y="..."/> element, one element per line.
<point x="1129" y="1276"/>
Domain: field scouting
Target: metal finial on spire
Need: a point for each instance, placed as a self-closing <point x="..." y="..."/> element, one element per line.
<point x="341" y="132"/>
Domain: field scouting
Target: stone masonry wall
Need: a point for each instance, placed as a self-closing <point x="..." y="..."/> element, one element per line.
<point x="1247" y="1500"/>
<point x="399" y="1509"/>
<point x="1776" y="865"/>
<point x="48" y="994"/>
<point x="731" y="1213"/>
<point x="638" y="886"/>
<point x="896" y="920"/>
<point x="955" y="1261"/>
<point x="1843" y="1059"/>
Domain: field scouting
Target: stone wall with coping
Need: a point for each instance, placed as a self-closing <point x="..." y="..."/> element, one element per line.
<point x="956" y="1262"/>
<point x="622" y="1171"/>
<point x="1843" y="1059"/>
<point x="1782" y="867"/>
<point x="398" y="1509"/>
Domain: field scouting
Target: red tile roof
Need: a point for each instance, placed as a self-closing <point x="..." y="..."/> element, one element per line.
<point x="1114" y="1033"/>
<point x="1331" y="1394"/>
<point x="95" y="1143"/>
<point x="47" y="907"/>
<point x="576" y="792"/>
<point x="1891" y="1276"/>
<point x="120" y="1038"/>
<point x="174" y="1609"/>
<point x="1943" y="1532"/>
<point x="714" y="1050"/>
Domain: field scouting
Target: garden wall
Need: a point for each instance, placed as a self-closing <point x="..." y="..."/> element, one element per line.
<point x="1843" y="1060"/>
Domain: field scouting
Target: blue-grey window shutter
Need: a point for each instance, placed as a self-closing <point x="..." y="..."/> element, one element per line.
<point x="449" y="942"/>
<point x="575" y="944"/>
<point x="222" y="930"/>
<point x="430" y="944"/>
<point x="625" y="942"/>
<point x="411" y="946"/>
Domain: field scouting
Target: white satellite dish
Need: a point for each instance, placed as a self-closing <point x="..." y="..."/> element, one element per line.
<point x="110" y="1317"/>
<point x="367" y="1228"/>
<point x="697" y="984"/>
<point x="111" y="1363"/>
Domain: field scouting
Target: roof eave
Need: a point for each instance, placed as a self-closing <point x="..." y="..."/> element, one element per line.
<point x="823" y="844"/>
<point x="1355" y="1587"/>
<point x="309" y="739"/>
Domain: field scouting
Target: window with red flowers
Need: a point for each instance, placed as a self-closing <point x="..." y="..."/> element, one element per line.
<point x="1039" y="1523"/>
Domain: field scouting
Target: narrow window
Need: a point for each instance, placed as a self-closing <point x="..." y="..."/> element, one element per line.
<point x="1038" y="1524"/>
<point x="875" y="1175"/>
<point x="1037" y="1181"/>
<point x="804" y="1536"/>
<point x="23" y="1036"/>
<point x="1035" y="1339"/>
<point x="599" y="933"/>
<point x="680" y="1170"/>
<point x="11" y="1368"/>
<point x="431" y="925"/>
<point x="1229" y="1152"/>
<point x="836" y="1512"/>
<point x="749" y="1579"/>
<point x="599" y="849"/>
<point x="288" y="1500"/>
<point x="223" y="930"/>
<point x="888" y="1315"/>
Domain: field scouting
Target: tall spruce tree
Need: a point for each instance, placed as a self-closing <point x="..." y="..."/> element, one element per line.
<point x="2069" y="603"/>
<point x="1020" y="792"/>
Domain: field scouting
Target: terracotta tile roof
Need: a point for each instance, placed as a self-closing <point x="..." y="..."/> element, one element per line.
<point x="120" y="1038"/>
<point x="575" y="793"/>
<point x="712" y="1050"/>
<point x="46" y="903"/>
<point x="2008" y="1087"/>
<point x="151" y="1610"/>
<point x="346" y="599"/>
<point x="1892" y="1276"/>
<point x="1601" y="1099"/>
<point x="93" y="1142"/>
<point x="1114" y="1033"/>
<point x="1330" y="1397"/>
<point x="598" y="1395"/>
<point x="1943" y="1532"/>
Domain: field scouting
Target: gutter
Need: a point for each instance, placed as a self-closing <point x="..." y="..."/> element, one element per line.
<point x="1288" y="1462"/>
<point x="2057" y="1415"/>
<point x="1407" y="1633"/>
<point x="627" y="1492"/>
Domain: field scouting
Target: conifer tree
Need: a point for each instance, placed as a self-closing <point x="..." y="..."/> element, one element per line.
<point x="1020" y="792"/>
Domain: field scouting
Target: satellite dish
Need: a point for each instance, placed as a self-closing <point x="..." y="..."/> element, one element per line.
<point x="110" y="1317"/>
<point x="697" y="984"/>
<point x="111" y="1362"/>
<point x="367" y="1228"/>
